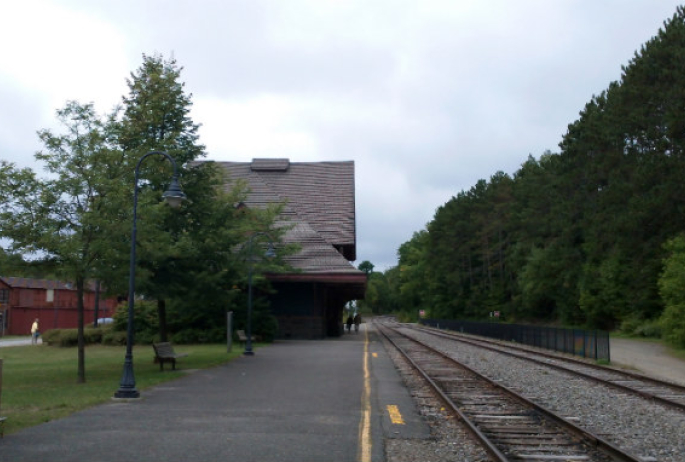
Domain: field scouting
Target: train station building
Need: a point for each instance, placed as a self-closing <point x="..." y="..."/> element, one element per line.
<point x="319" y="216"/>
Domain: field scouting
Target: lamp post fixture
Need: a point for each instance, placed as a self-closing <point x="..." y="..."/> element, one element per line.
<point x="269" y="254"/>
<point x="173" y="196"/>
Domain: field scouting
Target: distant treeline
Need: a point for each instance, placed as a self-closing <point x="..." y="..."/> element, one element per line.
<point x="579" y="237"/>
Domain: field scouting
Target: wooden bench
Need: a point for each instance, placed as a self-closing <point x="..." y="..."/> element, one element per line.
<point x="164" y="353"/>
<point x="242" y="337"/>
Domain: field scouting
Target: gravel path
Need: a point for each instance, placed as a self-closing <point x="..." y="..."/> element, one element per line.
<point x="650" y="358"/>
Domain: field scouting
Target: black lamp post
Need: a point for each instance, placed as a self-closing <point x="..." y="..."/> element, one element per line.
<point x="174" y="196"/>
<point x="269" y="254"/>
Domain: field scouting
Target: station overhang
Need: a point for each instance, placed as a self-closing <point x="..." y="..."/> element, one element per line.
<point x="353" y="285"/>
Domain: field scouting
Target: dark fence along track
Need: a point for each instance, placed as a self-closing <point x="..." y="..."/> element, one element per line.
<point x="585" y="343"/>
<point x="666" y="393"/>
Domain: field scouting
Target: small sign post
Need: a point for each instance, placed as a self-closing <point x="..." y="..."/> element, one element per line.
<point x="229" y="331"/>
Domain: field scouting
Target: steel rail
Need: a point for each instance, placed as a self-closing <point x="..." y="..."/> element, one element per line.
<point x="488" y="445"/>
<point x="600" y="443"/>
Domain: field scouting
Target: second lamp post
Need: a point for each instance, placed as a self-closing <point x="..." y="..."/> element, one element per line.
<point x="269" y="254"/>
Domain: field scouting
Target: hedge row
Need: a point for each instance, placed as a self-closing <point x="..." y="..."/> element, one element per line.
<point x="91" y="335"/>
<point x="107" y="335"/>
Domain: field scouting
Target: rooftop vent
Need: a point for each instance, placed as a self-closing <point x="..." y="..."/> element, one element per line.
<point x="270" y="165"/>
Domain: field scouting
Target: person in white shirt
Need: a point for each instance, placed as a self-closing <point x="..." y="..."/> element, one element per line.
<point x="34" y="332"/>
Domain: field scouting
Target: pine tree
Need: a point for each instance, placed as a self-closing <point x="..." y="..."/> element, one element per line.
<point x="186" y="254"/>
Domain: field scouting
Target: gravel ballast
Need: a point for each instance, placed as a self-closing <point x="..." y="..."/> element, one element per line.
<point x="651" y="431"/>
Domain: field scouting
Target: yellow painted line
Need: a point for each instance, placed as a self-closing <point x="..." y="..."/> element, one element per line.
<point x="364" y="451"/>
<point x="395" y="415"/>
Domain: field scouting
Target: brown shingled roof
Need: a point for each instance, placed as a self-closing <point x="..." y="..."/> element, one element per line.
<point x="320" y="207"/>
<point x="30" y="283"/>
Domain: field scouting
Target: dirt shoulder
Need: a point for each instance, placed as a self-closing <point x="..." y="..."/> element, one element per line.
<point x="650" y="358"/>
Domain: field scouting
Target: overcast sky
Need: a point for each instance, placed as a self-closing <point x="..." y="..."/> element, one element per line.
<point x="427" y="97"/>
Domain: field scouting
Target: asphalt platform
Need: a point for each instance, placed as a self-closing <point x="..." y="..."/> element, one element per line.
<point x="335" y="400"/>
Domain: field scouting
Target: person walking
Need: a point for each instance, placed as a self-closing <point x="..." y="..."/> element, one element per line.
<point x="35" y="332"/>
<point x="357" y="321"/>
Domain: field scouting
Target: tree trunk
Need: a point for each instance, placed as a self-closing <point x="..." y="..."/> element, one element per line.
<point x="81" y="341"/>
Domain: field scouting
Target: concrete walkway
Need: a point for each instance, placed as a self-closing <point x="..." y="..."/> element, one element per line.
<point x="293" y="401"/>
<point x="17" y="341"/>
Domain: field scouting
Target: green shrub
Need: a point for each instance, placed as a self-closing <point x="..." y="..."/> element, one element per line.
<point x="404" y="316"/>
<point x="68" y="338"/>
<point x="194" y="336"/>
<point x="94" y="335"/>
<point x="672" y="291"/>
<point x="630" y="325"/>
<point x="114" y="338"/>
<point x="673" y="324"/>
<point x="186" y="336"/>
<point x="51" y="337"/>
<point x="265" y="326"/>
<point x="146" y="322"/>
<point x="633" y="325"/>
<point x="146" y="338"/>
<point x="649" y="329"/>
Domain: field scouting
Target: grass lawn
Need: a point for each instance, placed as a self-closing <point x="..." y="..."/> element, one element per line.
<point x="39" y="382"/>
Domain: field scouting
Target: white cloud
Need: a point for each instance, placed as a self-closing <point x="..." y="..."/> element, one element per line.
<point x="427" y="97"/>
<point x="264" y="126"/>
<point x="61" y="54"/>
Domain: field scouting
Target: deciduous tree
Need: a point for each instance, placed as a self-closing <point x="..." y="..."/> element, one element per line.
<point x="66" y="215"/>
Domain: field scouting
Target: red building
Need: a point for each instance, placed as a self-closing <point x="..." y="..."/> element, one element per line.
<point x="22" y="300"/>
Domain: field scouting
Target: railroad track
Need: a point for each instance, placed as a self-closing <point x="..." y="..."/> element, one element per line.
<point x="509" y="426"/>
<point x="667" y="393"/>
